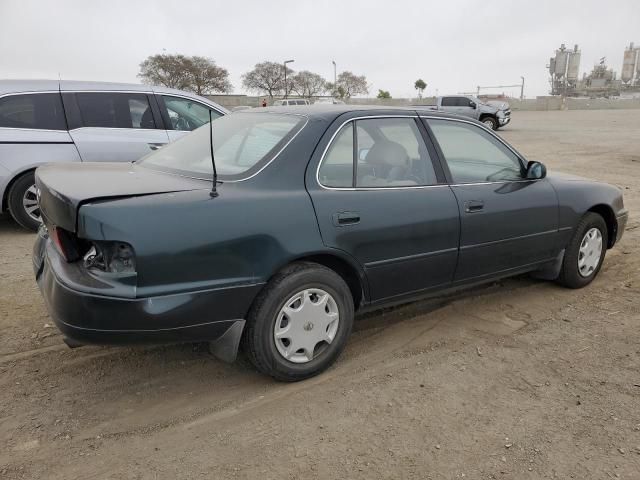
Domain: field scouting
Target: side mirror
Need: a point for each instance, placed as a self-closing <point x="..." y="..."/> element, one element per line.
<point x="472" y="104"/>
<point x="536" y="171"/>
<point x="363" y="154"/>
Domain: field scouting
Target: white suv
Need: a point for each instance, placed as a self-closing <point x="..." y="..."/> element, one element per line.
<point x="291" y="101"/>
<point x="43" y="121"/>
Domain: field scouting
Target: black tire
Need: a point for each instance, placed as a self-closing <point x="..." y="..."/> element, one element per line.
<point x="258" y="338"/>
<point x="570" y="276"/>
<point x="490" y="122"/>
<point x="16" y="208"/>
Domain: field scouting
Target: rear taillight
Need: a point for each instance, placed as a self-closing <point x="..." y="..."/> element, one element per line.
<point x="114" y="257"/>
<point x="66" y="243"/>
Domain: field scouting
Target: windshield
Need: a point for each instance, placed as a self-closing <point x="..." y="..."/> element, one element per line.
<point x="243" y="143"/>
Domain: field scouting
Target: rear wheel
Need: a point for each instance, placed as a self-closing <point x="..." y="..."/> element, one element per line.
<point x="585" y="253"/>
<point x="299" y="324"/>
<point x="23" y="202"/>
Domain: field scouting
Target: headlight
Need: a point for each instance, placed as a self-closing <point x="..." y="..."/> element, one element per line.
<point x="114" y="257"/>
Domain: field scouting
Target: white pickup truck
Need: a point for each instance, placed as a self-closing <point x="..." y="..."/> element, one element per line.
<point x="494" y="115"/>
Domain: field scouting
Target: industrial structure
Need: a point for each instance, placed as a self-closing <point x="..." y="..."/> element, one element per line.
<point x="631" y="66"/>
<point x="601" y="82"/>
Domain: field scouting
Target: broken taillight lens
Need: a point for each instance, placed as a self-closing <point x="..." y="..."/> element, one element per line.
<point x="114" y="257"/>
<point x="65" y="243"/>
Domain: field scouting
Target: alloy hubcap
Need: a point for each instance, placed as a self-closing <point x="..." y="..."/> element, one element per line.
<point x="488" y="123"/>
<point x="590" y="252"/>
<point x="30" y="203"/>
<point x="306" y="325"/>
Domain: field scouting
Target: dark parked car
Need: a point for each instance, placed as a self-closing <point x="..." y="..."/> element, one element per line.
<point x="319" y="212"/>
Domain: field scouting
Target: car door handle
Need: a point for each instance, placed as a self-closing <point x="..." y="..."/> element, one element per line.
<point x="346" y="218"/>
<point x="473" y="206"/>
<point x="156" y="146"/>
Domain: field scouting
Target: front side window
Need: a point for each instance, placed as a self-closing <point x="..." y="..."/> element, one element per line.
<point x="185" y="114"/>
<point x="389" y="152"/>
<point x="243" y="143"/>
<point x="115" y="110"/>
<point x="39" y="110"/>
<point x="474" y="155"/>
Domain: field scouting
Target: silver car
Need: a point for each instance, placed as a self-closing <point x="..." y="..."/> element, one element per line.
<point x="44" y="121"/>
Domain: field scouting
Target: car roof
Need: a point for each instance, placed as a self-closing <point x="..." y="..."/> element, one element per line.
<point x="326" y="111"/>
<point x="24" y="86"/>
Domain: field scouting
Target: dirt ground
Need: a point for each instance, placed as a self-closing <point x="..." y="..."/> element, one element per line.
<point x="520" y="379"/>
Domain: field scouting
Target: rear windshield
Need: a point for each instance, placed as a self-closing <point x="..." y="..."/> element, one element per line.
<point x="242" y="143"/>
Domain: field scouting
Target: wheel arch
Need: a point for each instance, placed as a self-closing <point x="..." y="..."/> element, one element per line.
<point x="606" y="212"/>
<point x="351" y="273"/>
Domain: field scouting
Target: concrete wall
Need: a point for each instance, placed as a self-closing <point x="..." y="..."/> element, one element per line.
<point x="538" y="103"/>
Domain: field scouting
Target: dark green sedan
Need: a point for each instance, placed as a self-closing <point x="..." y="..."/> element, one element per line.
<point x="318" y="213"/>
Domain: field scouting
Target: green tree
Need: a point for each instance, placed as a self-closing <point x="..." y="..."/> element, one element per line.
<point x="384" y="94"/>
<point x="308" y="84"/>
<point x="267" y="77"/>
<point x="196" y="74"/>
<point x="348" y="85"/>
<point x="420" y="86"/>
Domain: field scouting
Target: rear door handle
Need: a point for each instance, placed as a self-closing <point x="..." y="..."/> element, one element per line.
<point x="473" y="206"/>
<point x="346" y="218"/>
<point x="156" y="146"/>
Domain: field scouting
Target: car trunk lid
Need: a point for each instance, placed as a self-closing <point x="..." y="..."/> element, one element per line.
<point x="63" y="188"/>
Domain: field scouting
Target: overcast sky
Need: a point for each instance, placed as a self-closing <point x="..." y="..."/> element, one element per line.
<point x="454" y="45"/>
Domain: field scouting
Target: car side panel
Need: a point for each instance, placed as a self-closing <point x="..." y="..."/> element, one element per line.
<point x="576" y="196"/>
<point x="242" y="237"/>
<point x="23" y="150"/>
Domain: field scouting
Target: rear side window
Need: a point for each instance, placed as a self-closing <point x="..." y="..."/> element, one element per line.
<point x="185" y="114"/>
<point x="41" y="111"/>
<point x="115" y="110"/>
<point x="337" y="168"/>
<point x="388" y="152"/>
<point x="449" y="102"/>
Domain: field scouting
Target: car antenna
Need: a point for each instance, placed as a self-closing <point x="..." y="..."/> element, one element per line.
<point x="214" y="192"/>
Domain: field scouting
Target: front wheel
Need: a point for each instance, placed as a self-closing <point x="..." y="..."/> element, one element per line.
<point x="23" y="202"/>
<point x="490" y="122"/>
<point x="299" y="324"/>
<point x="585" y="253"/>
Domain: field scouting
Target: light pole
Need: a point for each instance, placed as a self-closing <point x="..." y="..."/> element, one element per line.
<point x="285" y="76"/>
<point x="522" y="89"/>
<point x="335" y="77"/>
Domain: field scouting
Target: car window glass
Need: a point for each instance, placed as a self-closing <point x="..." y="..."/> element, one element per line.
<point x="449" y="101"/>
<point x="40" y="111"/>
<point x="463" y="102"/>
<point x="474" y="155"/>
<point x="186" y="114"/>
<point x="115" y="110"/>
<point x="242" y="143"/>
<point x="337" y="166"/>
<point x="396" y="157"/>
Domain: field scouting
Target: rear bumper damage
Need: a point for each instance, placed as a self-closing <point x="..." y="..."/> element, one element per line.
<point x="86" y="318"/>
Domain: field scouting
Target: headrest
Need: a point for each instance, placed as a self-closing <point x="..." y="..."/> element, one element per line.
<point x="387" y="153"/>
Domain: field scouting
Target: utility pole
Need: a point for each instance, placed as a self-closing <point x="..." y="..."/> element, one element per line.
<point x="522" y="89"/>
<point x="285" y="76"/>
<point x="335" y="76"/>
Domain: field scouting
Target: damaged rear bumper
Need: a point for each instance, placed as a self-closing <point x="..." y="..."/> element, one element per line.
<point x="214" y="316"/>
